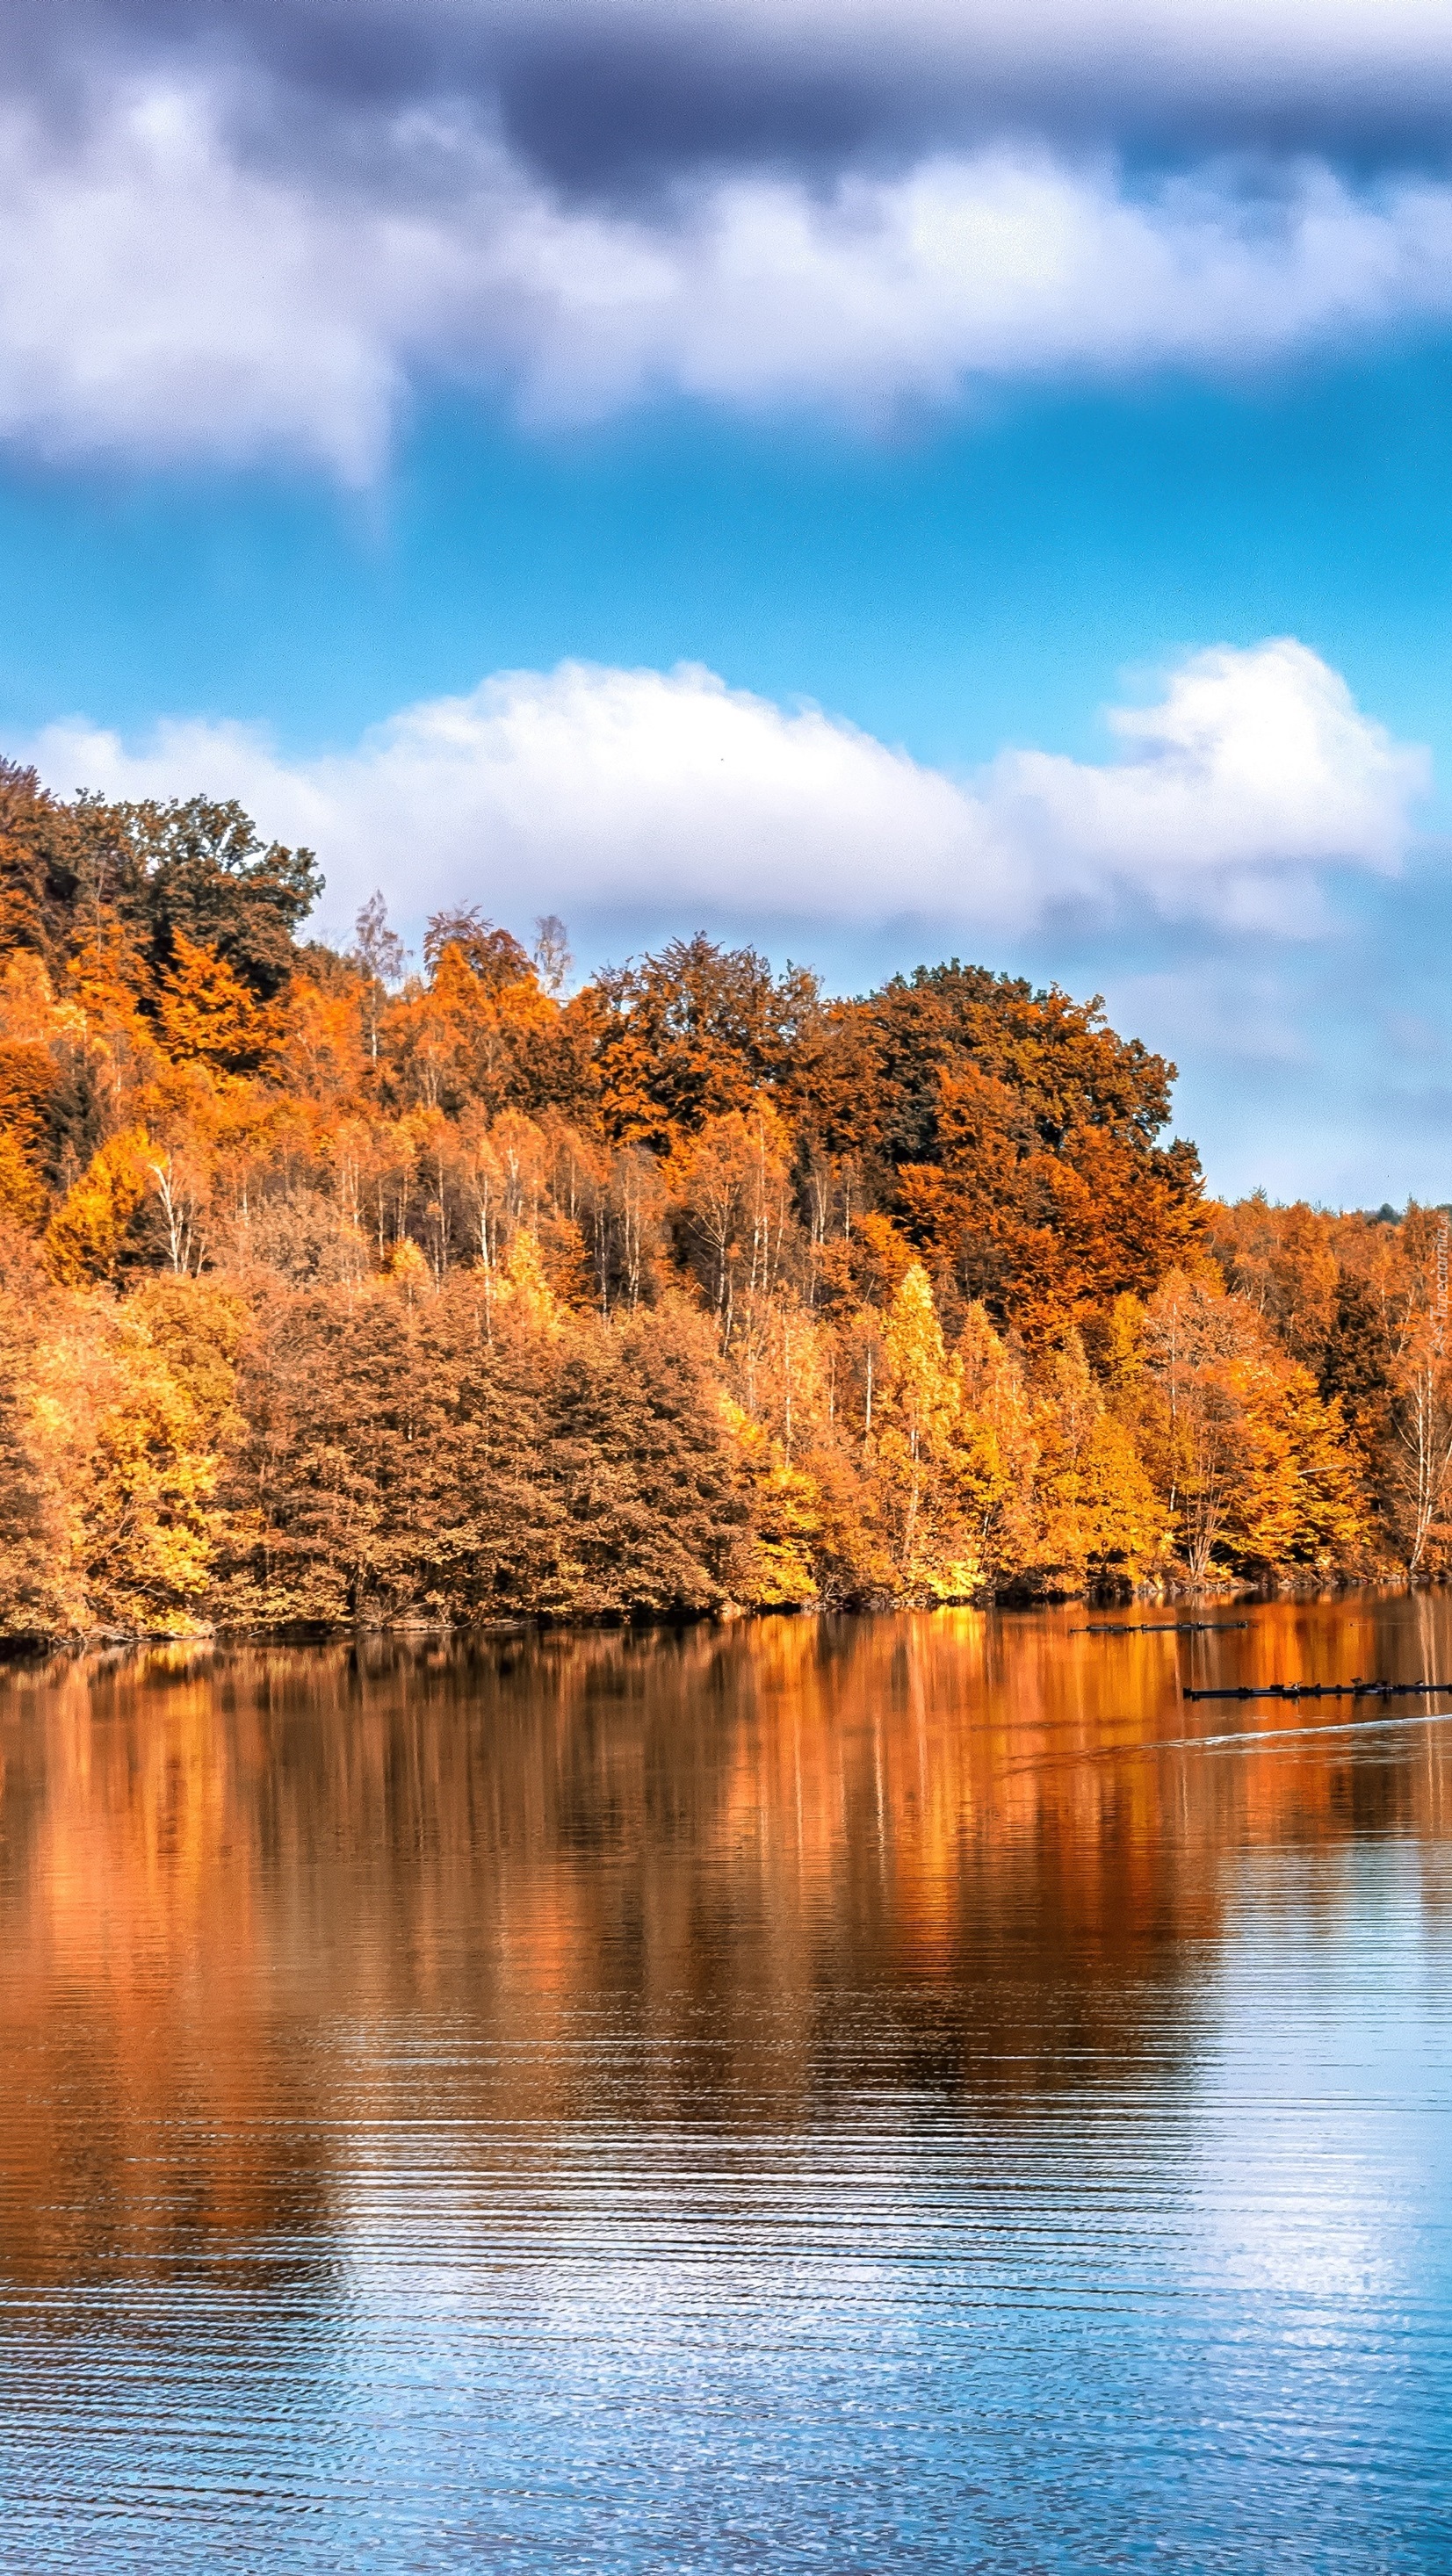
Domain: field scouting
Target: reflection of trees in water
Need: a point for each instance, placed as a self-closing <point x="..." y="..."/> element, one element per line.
<point x="143" y="2057"/>
<point x="732" y="1877"/>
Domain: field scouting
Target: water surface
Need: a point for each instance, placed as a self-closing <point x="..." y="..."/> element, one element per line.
<point x="909" y="2093"/>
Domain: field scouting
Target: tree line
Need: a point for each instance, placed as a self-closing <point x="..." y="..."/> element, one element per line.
<point x="340" y="1288"/>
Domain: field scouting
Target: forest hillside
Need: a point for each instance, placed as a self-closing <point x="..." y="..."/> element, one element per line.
<point x="333" y="1290"/>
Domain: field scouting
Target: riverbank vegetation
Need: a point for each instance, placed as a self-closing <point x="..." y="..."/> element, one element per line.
<point x="335" y="1290"/>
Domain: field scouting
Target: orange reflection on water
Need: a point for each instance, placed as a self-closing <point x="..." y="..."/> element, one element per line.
<point x="233" y="1880"/>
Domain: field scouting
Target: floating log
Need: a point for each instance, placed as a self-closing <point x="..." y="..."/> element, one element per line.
<point x="1157" y="1627"/>
<point x="1326" y="1690"/>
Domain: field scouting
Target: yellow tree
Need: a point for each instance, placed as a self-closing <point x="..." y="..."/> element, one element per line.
<point x="1097" y="1509"/>
<point x="1191" y="1409"/>
<point x="23" y="1198"/>
<point x="97" y="1224"/>
<point x="920" y="1461"/>
<point x="1255" y="1468"/>
<point x="1001" y="1437"/>
<point x="107" y="978"/>
<point x="732" y="1185"/>
<point x="1401" y="1275"/>
<point x="39" y="1474"/>
<point x="320" y="1041"/>
<point x="1419" y="1449"/>
<point x="148" y="1525"/>
<point x="207" y="1015"/>
<point x="1282" y="1261"/>
<point x="1332" y="1525"/>
<point x="781" y="1571"/>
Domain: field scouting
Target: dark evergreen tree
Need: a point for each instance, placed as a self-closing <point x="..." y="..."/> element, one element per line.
<point x="40" y="858"/>
<point x="392" y="1462"/>
<point x="201" y="867"/>
<point x="653" y="1514"/>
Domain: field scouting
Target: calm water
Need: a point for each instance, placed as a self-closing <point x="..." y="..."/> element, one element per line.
<point x="905" y="2093"/>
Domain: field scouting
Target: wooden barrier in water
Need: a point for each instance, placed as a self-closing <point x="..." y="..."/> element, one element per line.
<point x="1157" y="1627"/>
<point x="1324" y="1690"/>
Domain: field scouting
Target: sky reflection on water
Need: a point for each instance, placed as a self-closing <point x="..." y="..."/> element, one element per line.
<point x="841" y="2094"/>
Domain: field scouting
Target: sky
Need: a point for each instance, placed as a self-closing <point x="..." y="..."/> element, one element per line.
<point x="878" y="481"/>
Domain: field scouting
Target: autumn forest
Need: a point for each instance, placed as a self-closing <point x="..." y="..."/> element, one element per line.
<point x="335" y="1289"/>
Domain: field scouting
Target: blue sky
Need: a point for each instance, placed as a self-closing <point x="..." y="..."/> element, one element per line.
<point x="547" y="463"/>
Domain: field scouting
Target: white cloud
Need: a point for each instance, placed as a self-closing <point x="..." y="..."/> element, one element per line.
<point x="1254" y="770"/>
<point x="162" y="295"/>
<point x="646" y="793"/>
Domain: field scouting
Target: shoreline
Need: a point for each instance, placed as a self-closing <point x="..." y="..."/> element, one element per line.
<point x="34" y="1645"/>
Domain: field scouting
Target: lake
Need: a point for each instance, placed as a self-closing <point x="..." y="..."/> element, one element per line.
<point x="911" y="2093"/>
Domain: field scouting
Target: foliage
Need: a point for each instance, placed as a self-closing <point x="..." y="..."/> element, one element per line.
<point x="331" y="1291"/>
<point x="693" y="1034"/>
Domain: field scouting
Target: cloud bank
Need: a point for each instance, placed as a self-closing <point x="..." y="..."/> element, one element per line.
<point x="253" y="228"/>
<point x="164" y="296"/>
<point x="669" y="795"/>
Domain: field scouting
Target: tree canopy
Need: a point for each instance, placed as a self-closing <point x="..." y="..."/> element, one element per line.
<point x="340" y="1289"/>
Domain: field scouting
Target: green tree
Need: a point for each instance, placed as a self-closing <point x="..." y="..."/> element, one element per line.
<point x="201" y="868"/>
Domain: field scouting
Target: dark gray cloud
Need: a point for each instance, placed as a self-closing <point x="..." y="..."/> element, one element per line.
<point x="612" y="94"/>
<point x="256" y="229"/>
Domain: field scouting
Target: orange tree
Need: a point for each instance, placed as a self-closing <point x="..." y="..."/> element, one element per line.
<point x="1015" y="1133"/>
